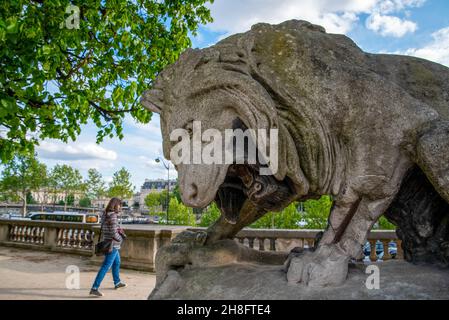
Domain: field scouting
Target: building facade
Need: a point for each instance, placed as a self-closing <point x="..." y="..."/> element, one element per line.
<point x="152" y="186"/>
<point x="46" y="196"/>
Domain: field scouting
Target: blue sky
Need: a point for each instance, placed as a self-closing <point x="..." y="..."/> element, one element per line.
<point x="413" y="27"/>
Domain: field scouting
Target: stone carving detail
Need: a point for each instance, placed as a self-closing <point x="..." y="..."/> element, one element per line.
<point x="351" y="124"/>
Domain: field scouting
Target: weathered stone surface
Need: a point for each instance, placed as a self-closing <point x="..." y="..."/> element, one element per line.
<point x="398" y="280"/>
<point x="193" y="254"/>
<point x="351" y="124"/>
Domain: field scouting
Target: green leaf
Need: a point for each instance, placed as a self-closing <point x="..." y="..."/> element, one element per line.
<point x="11" y="25"/>
<point x="61" y="78"/>
<point x="46" y="49"/>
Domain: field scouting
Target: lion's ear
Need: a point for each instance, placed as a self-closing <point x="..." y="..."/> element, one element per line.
<point x="153" y="100"/>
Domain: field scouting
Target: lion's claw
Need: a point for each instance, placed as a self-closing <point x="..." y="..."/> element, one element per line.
<point x="191" y="237"/>
<point x="327" y="266"/>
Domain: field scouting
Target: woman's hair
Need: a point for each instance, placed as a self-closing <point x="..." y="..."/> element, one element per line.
<point x="113" y="205"/>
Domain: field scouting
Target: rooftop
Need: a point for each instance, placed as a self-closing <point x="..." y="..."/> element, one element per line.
<point x="157" y="184"/>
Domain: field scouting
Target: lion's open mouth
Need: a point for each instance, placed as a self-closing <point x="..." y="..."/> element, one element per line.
<point x="242" y="183"/>
<point x="231" y="196"/>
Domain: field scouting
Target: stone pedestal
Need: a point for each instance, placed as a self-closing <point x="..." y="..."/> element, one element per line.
<point x="397" y="280"/>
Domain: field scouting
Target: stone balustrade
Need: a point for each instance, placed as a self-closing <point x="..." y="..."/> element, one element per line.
<point x="139" y="249"/>
<point x="385" y="238"/>
<point x="285" y="240"/>
<point x="277" y="240"/>
<point x="75" y="238"/>
<point x="27" y="234"/>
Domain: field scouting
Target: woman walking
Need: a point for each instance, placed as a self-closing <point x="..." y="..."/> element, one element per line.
<point x="110" y="231"/>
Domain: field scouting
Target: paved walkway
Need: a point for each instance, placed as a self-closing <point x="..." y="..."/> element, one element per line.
<point x="38" y="275"/>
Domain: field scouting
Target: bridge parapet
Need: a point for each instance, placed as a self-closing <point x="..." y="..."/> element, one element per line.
<point x="139" y="250"/>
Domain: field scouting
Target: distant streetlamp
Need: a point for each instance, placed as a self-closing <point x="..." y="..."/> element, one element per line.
<point x="167" y="166"/>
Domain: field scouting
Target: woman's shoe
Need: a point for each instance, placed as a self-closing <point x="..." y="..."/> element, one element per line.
<point x="96" y="293"/>
<point x="120" y="285"/>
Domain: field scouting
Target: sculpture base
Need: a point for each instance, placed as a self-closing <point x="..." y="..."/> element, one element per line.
<point x="398" y="280"/>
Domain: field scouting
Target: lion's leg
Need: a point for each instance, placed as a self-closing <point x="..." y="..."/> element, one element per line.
<point x="341" y="213"/>
<point x="356" y="233"/>
<point x="432" y="155"/>
<point x="328" y="264"/>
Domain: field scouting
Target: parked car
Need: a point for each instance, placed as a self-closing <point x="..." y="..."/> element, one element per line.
<point x="125" y="219"/>
<point x="164" y="221"/>
<point x="393" y="249"/>
<point x="66" y="217"/>
<point x="13" y="216"/>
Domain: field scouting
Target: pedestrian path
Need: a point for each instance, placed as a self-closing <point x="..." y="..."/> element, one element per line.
<point x="37" y="275"/>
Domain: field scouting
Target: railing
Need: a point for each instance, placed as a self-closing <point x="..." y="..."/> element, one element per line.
<point x="277" y="240"/>
<point x="75" y="238"/>
<point x="143" y="241"/>
<point x="385" y="237"/>
<point x="285" y="240"/>
<point x="27" y="234"/>
<point x="52" y="236"/>
<point x="138" y="251"/>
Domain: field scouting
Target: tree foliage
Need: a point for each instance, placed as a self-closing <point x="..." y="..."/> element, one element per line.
<point x="210" y="215"/>
<point x="30" y="199"/>
<point x="67" y="180"/>
<point x="22" y="175"/>
<point x="285" y="219"/>
<point x="120" y="185"/>
<point x="85" y="202"/>
<point x="95" y="185"/>
<point x="176" y="192"/>
<point x="70" y="200"/>
<point x="384" y="224"/>
<point x="313" y="216"/>
<point x="152" y="200"/>
<point x="163" y="199"/>
<point x="67" y="62"/>
<point x="179" y="214"/>
<point x="316" y="213"/>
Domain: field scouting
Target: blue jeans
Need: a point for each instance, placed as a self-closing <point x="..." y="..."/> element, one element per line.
<point x="111" y="259"/>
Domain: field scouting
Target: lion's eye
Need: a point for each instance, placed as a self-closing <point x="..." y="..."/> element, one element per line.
<point x="189" y="128"/>
<point x="257" y="186"/>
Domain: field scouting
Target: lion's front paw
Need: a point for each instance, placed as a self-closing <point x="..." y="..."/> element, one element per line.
<point x="327" y="266"/>
<point x="191" y="237"/>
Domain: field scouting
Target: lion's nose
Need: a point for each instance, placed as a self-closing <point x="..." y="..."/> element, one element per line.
<point x="191" y="193"/>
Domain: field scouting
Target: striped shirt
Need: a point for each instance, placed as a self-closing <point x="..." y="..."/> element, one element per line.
<point x="110" y="229"/>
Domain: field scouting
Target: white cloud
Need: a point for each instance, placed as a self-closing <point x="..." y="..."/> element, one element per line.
<point x="389" y="6"/>
<point x="87" y="164"/>
<point x="157" y="169"/>
<point x="74" y="151"/>
<point x="153" y="127"/>
<point x="390" y="25"/>
<point x="142" y="143"/>
<point x="232" y="16"/>
<point x="437" y="50"/>
<point x="108" y="179"/>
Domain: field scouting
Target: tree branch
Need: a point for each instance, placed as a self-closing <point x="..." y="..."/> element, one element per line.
<point x="107" y="113"/>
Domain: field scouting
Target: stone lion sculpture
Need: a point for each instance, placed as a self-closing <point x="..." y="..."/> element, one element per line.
<point x="368" y="129"/>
